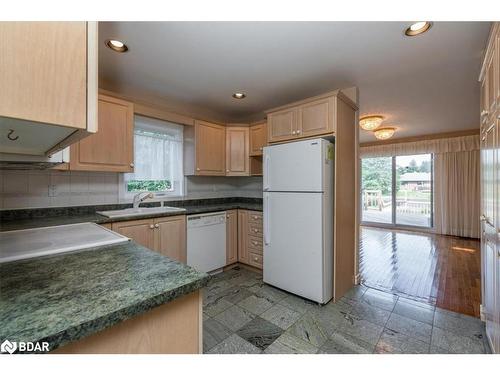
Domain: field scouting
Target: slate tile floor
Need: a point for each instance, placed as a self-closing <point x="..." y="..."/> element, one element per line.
<point x="245" y="316"/>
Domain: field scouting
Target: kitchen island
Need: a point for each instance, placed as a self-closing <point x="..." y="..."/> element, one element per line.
<point x="116" y="299"/>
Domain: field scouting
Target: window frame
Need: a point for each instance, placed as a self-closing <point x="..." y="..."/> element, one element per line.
<point x="124" y="196"/>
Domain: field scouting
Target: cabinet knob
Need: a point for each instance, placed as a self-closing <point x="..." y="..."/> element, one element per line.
<point x="263" y="147"/>
<point x="151" y="226"/>
<point x="131" y="165"/>
<point x="227" y="170"/>
<point x="293" y="132"/>
<point x="157" y="225"/>
<point x="255" y="258"/>
<point x="484" y="113"/>
<point x="256" y="230"/>
<point x="197" y="169"/>
<point x="254" y="242"/>
<point x="255" y="217"/>
<point x="298" y="131"/>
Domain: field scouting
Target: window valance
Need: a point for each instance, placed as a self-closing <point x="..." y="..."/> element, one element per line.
<point x="431" y="146"/>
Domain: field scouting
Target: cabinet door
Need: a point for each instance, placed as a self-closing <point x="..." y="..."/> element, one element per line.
<point x="242" y="236"/>
<point x="112" y="147"/>
<point x="231" y="236"/>
<point x="170" y="237"/>
<point x="316" y="118"/>
<point x="483" y="102"/>
<point x="258" y="138"/>
<point x="282" y="125"/>
<point x="491" y="87"/>
<point x="237" y="158"/>
<point x="210" y="149"/>
<point x="140" y="231"/>
<point x="43" y="71"/>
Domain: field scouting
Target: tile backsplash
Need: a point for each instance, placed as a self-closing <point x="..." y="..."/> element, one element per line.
<point x="34" y="189"/>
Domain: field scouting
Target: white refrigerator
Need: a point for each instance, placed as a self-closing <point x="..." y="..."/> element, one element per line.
<point x="298" y="218"/>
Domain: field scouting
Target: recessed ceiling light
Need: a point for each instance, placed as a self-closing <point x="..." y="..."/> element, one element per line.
<point x="370" y="123"/>
<point x="116" y="45"/>
<point x="418" y="28"/>
<point x="384" y="133"/>
<point x="239" y="95"/>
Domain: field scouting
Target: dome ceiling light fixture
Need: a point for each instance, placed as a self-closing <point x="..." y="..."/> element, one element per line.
<point x="116" y="45"/>
<point x="418" y="28"/>
<point x="370" y="123"/>
<point x="239" y="95"/>
<point x="384" y="133"/>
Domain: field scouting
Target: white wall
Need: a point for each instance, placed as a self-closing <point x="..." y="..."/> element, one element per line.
<point x="33" y="189"/>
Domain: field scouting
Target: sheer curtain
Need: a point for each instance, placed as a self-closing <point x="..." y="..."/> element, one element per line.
<point x="157" y="151"/>
<point x="457" y="193"/>
<point x="456" y="180"/>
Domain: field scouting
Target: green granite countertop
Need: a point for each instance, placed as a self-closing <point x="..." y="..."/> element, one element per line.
<point x="74" y="215"/>
<point x="62" y="298"/>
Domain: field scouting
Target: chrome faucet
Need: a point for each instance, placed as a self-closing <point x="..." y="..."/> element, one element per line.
<point x="140" y="197"/>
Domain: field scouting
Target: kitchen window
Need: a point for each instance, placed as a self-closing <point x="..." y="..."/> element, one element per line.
<point x="157" y="159"/>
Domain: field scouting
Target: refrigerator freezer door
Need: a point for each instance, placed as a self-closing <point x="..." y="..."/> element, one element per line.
<point x="293" y="244"/>
<point x="296" y="166"/>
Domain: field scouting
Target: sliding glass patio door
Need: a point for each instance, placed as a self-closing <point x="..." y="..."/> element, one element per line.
<point x="397" y="191"/>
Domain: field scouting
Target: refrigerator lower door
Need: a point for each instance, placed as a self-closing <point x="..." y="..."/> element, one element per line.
<point x="293" y="245"/>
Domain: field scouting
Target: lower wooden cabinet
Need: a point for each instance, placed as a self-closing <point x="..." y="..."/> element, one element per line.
<point x="170" y="237"/>
<point x="167" y="235"/>
<point x="231" y="236"/>
<point x="250" y="244"/>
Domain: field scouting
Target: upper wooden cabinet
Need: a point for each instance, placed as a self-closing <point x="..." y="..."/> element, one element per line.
<point x="307" y="118"/>
<point x="48" y="75"/>
<point x="237" y="144"/>
<point x="116" y="133"/>
<point x="316" y="118"/>
<point x="205" y="149"/>
<point x="258" y="138"/>
<point x="282" y="125"/>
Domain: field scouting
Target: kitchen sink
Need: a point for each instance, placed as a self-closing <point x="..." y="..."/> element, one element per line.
<point x="140" y="211"/>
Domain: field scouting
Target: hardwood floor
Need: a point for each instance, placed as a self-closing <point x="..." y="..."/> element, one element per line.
<point x="441" y="270"/>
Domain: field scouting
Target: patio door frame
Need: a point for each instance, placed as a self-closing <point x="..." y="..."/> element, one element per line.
<point x="394" y="225"/>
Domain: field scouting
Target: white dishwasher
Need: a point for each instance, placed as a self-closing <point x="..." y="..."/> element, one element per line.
<point x="206" y="241"/>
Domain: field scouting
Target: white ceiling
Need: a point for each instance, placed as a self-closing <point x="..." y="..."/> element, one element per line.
<point x="422" y="85"/>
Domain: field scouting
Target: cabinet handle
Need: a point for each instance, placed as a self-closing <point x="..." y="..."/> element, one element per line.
<point x="157" y="225"/>
<point x="151" y="226"/>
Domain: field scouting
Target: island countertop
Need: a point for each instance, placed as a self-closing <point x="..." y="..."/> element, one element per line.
<point x="63" y="298"/>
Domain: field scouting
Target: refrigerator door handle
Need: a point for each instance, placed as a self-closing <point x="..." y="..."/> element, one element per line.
<point x="267" y="161"/>
<point x="267" y="220"/>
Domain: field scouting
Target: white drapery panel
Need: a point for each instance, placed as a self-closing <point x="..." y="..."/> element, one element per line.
<point x="456" y="180"/>
<point x="457" y="193"/>
<point x="431" y="146"/>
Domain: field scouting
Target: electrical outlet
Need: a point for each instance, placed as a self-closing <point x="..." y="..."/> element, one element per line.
<point x="52" y="190"/>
